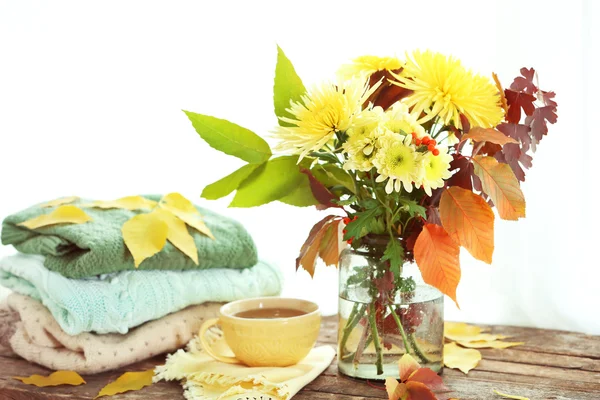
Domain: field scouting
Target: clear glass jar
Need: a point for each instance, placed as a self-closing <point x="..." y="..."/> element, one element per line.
<point x="384" y="314"/>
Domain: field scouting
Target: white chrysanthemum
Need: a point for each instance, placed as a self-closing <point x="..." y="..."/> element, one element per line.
<point x="435" y="170"/>
<point x="398" y="162"/>
<point x="323" y="111"/>
<point x="362" y="140"/>
<point x="400" y="120"/>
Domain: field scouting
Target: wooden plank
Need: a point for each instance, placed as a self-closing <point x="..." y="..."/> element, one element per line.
<point x="552" y="365"/>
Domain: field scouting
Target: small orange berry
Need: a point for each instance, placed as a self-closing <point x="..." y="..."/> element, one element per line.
<point x="433" y="142"/>
<point x="431" y="147"/>
<point x="436" y="152"/>
<point x="350" y="240"/>
<point x="418" y="142"/>
<point x="425" y="140"/>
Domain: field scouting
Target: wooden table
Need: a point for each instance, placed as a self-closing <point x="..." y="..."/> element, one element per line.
<point x="551" y="365"/>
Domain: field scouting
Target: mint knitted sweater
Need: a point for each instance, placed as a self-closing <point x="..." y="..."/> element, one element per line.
<point x="97" y="247"/>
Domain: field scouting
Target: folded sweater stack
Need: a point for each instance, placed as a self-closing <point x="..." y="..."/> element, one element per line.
<point x="80" y="304"/>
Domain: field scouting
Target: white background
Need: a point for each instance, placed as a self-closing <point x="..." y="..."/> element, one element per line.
<point x="91" y="93"/>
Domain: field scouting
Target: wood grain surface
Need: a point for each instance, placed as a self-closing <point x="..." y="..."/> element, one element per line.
<point x="552" y="365"/>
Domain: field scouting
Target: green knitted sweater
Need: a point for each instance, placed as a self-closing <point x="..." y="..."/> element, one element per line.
<point x="97" y="247"/>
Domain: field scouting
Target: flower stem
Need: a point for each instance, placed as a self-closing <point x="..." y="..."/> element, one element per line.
<point x="376" y="342"/>
<point x="355" y="316"/>
<point x="400" y="328"/>
<point x="418" y="351"/>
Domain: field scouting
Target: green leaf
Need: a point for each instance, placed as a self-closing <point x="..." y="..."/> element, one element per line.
<point x="230" y="138"/>
<point x="332" y="175"/>
<point x="350" y="200"/>
<point x="272" y="181"/>
<point x="412" y="207"/>
<point x="288" y="86"/>
<point x="394" y="253"/>
<point x="301" y="196"/>
<point x="231" y="182"/>
<point x="360" y="227"/>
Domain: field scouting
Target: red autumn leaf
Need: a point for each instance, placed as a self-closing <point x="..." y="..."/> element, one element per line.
<point x="488" y="135"/>
<point x="538" y="120"/>
<point x="321" y="193"/>
<point x="525" y="83"/>
<point x="419" y="391"/>
<point x="469" y="220"/>
<point x="518" y="132"/>
<point x="429" y="378"/>
<point x="436" y="255"/>
<point x="323" y="241"/>
<point x="387" y="93"/>
<point x="489" y="148"/>
<point x="464" y="121"/>
<point x="547" y="97"/>
<point x="463" y="172"/>
<point x="500" y="183"/>
<point x="407" y="365"/>
<point x="433" y="215"/>
<point x="516" y="102"/>
<point x="517" y="159"/>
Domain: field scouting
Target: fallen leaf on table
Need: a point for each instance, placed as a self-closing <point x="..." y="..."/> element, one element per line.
<point x="59" y="202"/>
<point x="416" y="383"/>
<point x="485" y="337"/>
<point x="128" y="203"/>
<point x="461" y="358"/>
<point x="127" y="382"/>
<point x="178" y="234"/>
<point x="66" y="214"/>
<point x="483" y="344"/>
<point x="54" y="379"/>
<point x="462" y="331"/>
<point x="509" y="396"/>
<point x="144" y="235"/>
<point x="185" y="210"/>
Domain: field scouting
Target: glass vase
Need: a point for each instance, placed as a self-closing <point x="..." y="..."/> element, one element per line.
<point x="384" y="314"/>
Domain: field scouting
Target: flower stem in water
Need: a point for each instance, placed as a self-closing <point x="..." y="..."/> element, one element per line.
<point x="400" y="328"/>
<point x="376" y="342"/>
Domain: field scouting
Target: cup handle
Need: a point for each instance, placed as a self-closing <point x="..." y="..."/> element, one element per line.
<point x="206" y="346"/>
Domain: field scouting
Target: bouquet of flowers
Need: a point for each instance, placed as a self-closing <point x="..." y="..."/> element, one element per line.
<point x="410" y="155"/>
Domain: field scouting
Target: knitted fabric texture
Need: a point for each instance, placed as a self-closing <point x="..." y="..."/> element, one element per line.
<point x="97" y="247"/>
<point x="204" y="378"/>
<point x="116" y="302"/>
<point x="39" y="339"/>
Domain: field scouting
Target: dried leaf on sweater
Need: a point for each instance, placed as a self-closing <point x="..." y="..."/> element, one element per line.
<point x="67" y="214"/>
<point x="458" y="357"/>
<point x="54" y="379"/>
<point x="144" y="235"/>
<point x="127" y="382"/>
<point x="127" y="203"/>
<point x="183" y="209"/>
<point x="178" y="233"/>
<point x="59" y="202"/>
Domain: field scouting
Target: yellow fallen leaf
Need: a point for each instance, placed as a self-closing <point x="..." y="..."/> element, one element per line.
<point x="59" y="202"/>
<point x="183" y="209"/>
<point x="485" y="337"/>
<point x="510" y="396"/>
<point x="458" y="357"/>
<point x="144" y="235"/>
<point x="483" y="344"/>
<point x="54" y="379"/>
<point x="127" y="203"/>
<point x="178" y="234"/>
<point x="126" y="382"/>
<point x="462" y="331"/>
<point x="62" y="215"/>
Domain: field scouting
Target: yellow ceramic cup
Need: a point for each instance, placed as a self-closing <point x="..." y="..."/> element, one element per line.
<point x="257" y="342"/>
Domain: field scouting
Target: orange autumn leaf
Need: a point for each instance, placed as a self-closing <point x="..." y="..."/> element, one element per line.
<point x="419" y="391"/>
<point x="491" y="135"/>
<point x="499" y="182"/>
<point x="323" y="241"/>
<point x="127" y="382"/>
<point x="395" y="390"/>
<point x="436" y="255"/>
<point x="54" y="379"/>
<point x="407" y="365"/>
<point x="469" y="220"/>
<point x="503" y="101"/>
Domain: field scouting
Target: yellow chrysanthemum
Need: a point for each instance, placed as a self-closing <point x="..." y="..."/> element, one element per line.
<point x="323" y="111"/>
<point x="443" y="87"/>
<point x="362" y="140"/>
<point x="435" y="170"/>
<point x="398" y="162"/>
<point x="400" y="120"/>
<point x="366" y="65"/>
